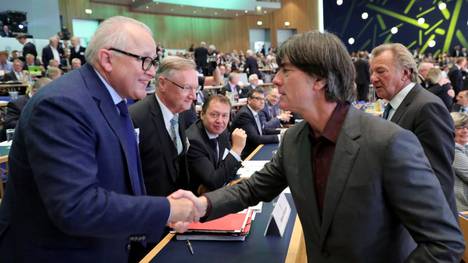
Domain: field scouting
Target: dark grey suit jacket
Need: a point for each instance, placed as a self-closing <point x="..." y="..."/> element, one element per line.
<point x="378" y="186"/>
<point x="428" y="118"/>
<point x="163" y="170"/>
<point x="202" y="159"/>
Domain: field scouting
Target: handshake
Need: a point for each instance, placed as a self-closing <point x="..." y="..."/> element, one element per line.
<point x="185" y="209"/>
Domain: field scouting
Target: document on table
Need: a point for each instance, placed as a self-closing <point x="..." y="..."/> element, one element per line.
<point x="250" y="167"/>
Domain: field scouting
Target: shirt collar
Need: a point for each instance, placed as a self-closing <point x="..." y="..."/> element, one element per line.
<point x="211" y="135"/>
<point x="333" y="127"/>
<point x="167" y="114"/>
<point x="400" y="96"/>
<point x="115" y="96"/>
<point x="255" y="113"/>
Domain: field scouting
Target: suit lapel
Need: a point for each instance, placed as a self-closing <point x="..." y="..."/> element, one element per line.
<point x="345" y="154"/>
<point x="405" y="103"/>
<point x="106" y="106"/>
<point x="206" y="141"/>
<point x="161" y="132"/>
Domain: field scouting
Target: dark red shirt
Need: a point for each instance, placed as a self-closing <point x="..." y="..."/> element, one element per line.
<point x="323" y="149"/>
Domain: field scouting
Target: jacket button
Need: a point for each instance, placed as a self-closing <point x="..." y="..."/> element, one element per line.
<point x="128" y="246"/>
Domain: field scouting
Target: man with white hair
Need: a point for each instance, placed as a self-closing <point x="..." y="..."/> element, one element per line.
<point x="423" y="69"/>
<point x="77" y="51"/>
<point x="52" y="51"/>
<point x="75" y="191"/>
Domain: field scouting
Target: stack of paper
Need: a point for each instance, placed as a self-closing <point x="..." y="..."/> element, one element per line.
<point x="232" y="227"/>
<point x="250" y="167"/>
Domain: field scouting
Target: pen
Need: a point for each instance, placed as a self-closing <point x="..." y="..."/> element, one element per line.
<point x="190" y="248"/>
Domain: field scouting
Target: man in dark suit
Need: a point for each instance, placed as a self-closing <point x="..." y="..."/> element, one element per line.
<point x="271" y="113"/>
<point x="423" y="69"/>
<point x="251" y="64"/>
<point x="52" y="51"/>
<point x="249" y="119"/>
<point x="201" y="56"/>
<point x="212" y="161"/>
<point x="162" y="139"/>
<point x="416" y="109"/>
<point x="17" y="74"/>
<point x="28" y="47"/>
<point x="357" y="181"/>
<point x="462" y="102"/>
<point x="5" y="32"/>
<point x="456" y="74"/>
<point x="362" y="76"/>
<point x="233" y="87"/>
<point x="77" y="51"/>
<point x="75" y="191"/>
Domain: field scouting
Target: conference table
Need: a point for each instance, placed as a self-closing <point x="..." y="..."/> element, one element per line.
<point x="255" y="248"/>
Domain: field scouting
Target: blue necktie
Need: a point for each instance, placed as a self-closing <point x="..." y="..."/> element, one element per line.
<point x="131" y="148"/>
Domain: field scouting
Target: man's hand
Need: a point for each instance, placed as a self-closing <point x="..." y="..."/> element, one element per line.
<point x="239" y="138"/>
<point x="183" y="207"/>
<point x="285" y="116"/>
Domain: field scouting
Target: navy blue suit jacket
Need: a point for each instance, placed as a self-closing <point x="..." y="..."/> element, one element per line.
<point x="245" y="120"/>
<point x="69" y="193"/>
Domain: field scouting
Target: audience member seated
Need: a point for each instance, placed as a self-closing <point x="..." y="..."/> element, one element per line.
<point x="249" y="120"/>
<point x="17" y="74"/>
<point x="211" y="159"/>
<point x="440" y="86"/>
<point x="15" y="107"/>
<point x="253" y="83"/>
<point x="232" y="86"/>
<point x="75" y="63"/>
<point x="6" y="32"/>
<point x="53" y="73"/>
<point x="423" y="69"/>
<point x="462" y="102"/>
<point x="5" y="65"/>
<point x="460" y="163"/>
<point x="31" y="61"/>
<point x="271" y="113"/>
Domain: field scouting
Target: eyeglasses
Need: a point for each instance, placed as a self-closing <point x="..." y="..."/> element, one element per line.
<point x="146" y="62"/>
<point x="257" y="98"/>
<point x="185" y="87"/>
<point x="462" y="127"/>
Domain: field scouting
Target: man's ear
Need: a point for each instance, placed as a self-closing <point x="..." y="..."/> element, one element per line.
<point x="105" y="59"/>
<point x="319" y="83"/>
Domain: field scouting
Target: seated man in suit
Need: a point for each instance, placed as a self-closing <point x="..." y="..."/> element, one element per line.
<point x="462" y="102"/>
<point x="271" y="113"/>
<point x="17" y="74"/>
<point x="212" y="161"/>
<point x="253" y="83"/>
<point x="362" y="187"/>
<point x="75" y="190"/>
<point x="248" y="119"/>
<point x="233" y="86"/>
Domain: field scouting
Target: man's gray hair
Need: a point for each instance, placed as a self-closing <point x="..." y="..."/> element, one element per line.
<point x="322" y="55"/>
<point x="113" y="32"/>
<point x="173" y="63"/>
<point x="402" y="57"/>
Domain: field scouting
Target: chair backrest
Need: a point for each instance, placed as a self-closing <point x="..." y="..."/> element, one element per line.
<point x="463" y="219"/>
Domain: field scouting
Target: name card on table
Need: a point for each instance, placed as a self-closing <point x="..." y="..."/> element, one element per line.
<point x="279" y="217"/>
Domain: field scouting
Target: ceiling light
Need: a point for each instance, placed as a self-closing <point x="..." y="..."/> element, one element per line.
<point x="88" y="11"/>
<point x="339" y="2"/>
<point x="286" y="23"/>
<point x="259" y="23"/>
<point x="421" y="20"/>
<point x="364" y="15"/>
<point x="351" y="40"/>
<point x="432" y="43"/>
<point x="147" y="7"/>
<point x="265" y="12"/>
<point x="394" y="30"/>
<point x="442" y="5"/>
<point x="259" y="8"/>
<point x="246" y="11"/>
